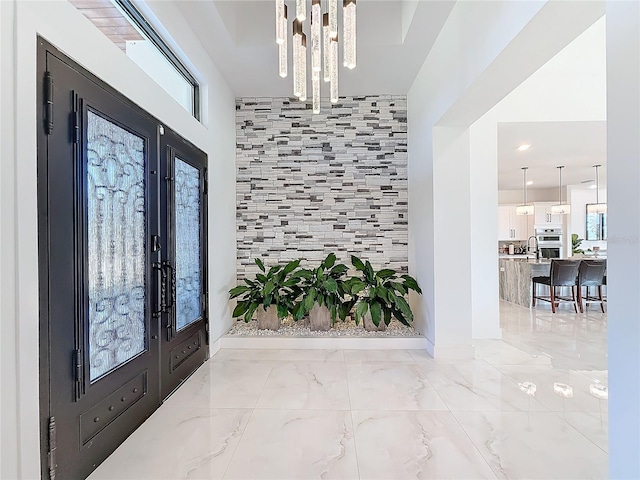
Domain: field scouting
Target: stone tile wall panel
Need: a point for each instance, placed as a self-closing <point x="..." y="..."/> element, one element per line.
<point x="308" y="185"/>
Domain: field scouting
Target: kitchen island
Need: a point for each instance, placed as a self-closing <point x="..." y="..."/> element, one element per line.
<point x="515" y="278"/>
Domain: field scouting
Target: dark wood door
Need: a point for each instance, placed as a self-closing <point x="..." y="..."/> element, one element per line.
<point x="184" y="337"/>
<point x="108" y="266"/>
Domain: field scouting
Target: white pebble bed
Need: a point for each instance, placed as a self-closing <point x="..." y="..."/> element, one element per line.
<point x="289" y="328"/>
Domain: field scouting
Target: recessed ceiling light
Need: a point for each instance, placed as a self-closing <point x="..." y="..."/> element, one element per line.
<point x="530" y="182"/>
<point x="524" y="147"/>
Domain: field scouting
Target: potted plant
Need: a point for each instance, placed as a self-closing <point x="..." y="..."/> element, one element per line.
<point x="321" y="293"/>
<point x="272" y="295"/>
<point x="379" y="296"/>
<point x="575" y="244"/>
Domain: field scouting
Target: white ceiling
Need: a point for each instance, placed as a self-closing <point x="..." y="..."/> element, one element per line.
<point x="576" y="145"/>
<point x="393" y="40"/>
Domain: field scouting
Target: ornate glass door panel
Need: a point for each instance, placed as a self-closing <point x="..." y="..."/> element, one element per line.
<point x="98" y="212"/>
<point x="185" y="338"/>
<point x="188" y="244"/>
<point x="116" y="250"/>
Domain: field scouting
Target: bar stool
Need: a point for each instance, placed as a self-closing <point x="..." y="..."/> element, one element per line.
<point x="591" y="274"/>
<point x="564" y="273"/>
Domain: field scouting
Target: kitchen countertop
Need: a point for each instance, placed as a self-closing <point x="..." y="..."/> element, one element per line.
<point x="530" y="260"/>
<point x="515" y="278"/>
<point x="516" y="274"/>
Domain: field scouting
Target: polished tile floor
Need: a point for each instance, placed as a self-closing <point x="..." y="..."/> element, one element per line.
<point x="533" y="405"/>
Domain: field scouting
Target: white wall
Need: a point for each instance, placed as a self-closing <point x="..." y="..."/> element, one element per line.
<point x="8" y="347"/>
<point x="155" y="64"/>
<point x="496" y="46"/>
<point x="514" y="197"/>
<point x="623" y="264"/>
<point x="62" y="25"/>
<point x="485" y="311"/>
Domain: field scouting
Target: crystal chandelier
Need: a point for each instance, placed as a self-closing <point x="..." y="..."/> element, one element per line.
<point x="323" y="45"/>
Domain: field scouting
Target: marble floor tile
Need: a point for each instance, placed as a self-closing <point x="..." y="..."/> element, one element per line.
<point x="498" y="352"/>
<point x="230" y="354"/>
<point x="536" y="445"/>
<point x="532" y="405"/>
<point x="233" y="384"/>
<point x="479" y="388"/>
<point x="593" y="425"/>
<point x="391" y="386"/>
<point x="311" y="356"/>
<point x="560" y="390"/>
<point x="408" y="445"/>
<point x="296" y="445"/>
<point x="306" y="385"/>
<point x="178" y="443"/>
<point x="423" y="357"/>
<point x="364" y="356"/>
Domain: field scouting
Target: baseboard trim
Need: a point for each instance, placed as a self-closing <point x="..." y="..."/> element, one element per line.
<point x="324" y="343"/>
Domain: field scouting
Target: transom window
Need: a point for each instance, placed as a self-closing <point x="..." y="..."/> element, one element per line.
<point x="125" y="26"/>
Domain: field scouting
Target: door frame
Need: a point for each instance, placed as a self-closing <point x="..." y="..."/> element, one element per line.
<point x="46" y="434"/>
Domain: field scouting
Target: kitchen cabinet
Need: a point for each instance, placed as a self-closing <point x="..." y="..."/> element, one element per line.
<point x="512" y="226"/>
<point x="543" y="215"/>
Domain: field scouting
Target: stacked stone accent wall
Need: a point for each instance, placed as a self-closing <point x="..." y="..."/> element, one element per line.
<point x="308" y="185"/>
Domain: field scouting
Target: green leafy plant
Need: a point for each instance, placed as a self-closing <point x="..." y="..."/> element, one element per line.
<point x="575" y="244"/>
<point x="278" y="287"/>
<point x="380" y="293"/>
<point x="321" y="286"/>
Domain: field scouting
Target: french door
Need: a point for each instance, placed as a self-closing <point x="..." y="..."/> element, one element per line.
<point x="122" y="247"/>
<point x="184" y="336"/>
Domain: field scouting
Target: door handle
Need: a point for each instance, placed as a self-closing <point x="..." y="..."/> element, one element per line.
<point x="167" y="266"/>
<point x="162" y="294"/>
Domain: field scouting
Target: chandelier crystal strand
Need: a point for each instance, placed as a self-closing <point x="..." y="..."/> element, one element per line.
<point x="333" y="18"/>
<point x="326" y="56"/>
<point x="316" y="36"/>
<point x="297" y="53"/>
<point x="280" y="24"/>
<point x="282" y="48"/>
<point x="301" y="10"/>
<point x="349" y="33"/>
<point x="333" y="71"/>
<point x="303" y="68"/>
<point x="315" y="79"/>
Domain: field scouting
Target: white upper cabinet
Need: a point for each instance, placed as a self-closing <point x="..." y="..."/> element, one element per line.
<point x="512" y="226"/>
<point x="543" y="215"/>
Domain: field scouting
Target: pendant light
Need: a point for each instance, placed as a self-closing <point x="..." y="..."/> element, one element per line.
<point x="597" y="207"/>
<point x="301" y="10"/>
<point x="524" y="209"/>
<point x="560" y="208"/>
<point x="349" y="33"/>
<point x="299" y="59"/>
<point x="281" y="23"/>
<point x="282" y="46"/>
